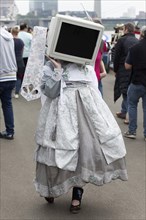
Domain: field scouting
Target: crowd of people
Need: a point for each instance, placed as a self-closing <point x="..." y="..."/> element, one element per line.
<point x="78" y="139"/>
<point x="130" y="73"/>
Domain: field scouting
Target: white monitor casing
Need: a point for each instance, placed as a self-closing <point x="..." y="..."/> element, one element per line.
<point x="53" y="35"/>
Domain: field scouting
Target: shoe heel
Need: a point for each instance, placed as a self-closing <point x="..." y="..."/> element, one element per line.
<point x="49" y="200"/>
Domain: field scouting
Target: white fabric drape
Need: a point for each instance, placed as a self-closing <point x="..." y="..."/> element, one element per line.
<point x="30" y="88"/>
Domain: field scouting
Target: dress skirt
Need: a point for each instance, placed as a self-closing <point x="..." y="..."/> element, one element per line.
<point x="77" y="143"/>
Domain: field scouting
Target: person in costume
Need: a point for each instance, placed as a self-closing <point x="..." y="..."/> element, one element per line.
<point x="78" y="139"/>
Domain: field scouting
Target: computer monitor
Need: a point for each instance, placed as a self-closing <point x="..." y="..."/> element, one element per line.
<point x="74" y="39"/>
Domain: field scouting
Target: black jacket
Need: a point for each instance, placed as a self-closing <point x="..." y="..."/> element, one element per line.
<point x="122" y="75"/>
<point x="137" y="58"/>
<point x="121" y="50"/>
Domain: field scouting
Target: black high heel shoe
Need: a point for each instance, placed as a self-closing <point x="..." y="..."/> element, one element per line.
<point x="49" y="199"/>
<point x="76" y="195"/>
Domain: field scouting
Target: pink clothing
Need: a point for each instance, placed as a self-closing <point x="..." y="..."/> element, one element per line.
<point x="98" y="59"/>
<point x="97" y="64"/>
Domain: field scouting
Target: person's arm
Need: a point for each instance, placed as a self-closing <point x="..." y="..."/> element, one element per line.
<point x="128" y="66"/>
<point x="128" y="62"/>
<point x="51" y="80"/>
<point x="52" y="69"/>
<point x="102" y="70"/>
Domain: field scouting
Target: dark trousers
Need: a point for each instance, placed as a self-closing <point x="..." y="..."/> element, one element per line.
<point x="25" y="59"/>
<point x="6" y="100"/>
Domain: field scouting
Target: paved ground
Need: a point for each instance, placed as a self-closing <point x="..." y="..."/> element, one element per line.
<point x="115" y="201"/>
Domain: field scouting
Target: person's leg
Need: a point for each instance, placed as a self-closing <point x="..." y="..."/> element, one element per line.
<point x="126" y="121"/>
<point x="144" y="110"/>
<point x="7" y="106"/>
<point x="76" y="200"/>
<point x="20" y="75"/>
<point x="18" y="86"/>
<point x="100" y="87"/>
<point x="124" y="105"/>
<point x="25" y="59"/>
<point x="134" y="94"/>
<point x="123" y="112"/>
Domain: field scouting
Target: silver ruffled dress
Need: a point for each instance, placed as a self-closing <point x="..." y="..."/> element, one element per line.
<point x="78" y="139"/>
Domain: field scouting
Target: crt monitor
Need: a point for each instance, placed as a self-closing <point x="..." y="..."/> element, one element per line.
<point x="74" y="39"/>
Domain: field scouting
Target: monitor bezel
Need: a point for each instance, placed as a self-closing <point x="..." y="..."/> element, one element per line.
<point x="54" y="30"/>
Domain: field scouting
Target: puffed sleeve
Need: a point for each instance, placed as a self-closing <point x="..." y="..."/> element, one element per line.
<point x="51" y="81"/>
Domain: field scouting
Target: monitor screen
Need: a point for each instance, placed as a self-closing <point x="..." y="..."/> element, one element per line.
<point x="76" y="40"/>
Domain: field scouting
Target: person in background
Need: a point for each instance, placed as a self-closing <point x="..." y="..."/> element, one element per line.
<point x="137" y="31"/>
<point x="99" y="65"/>
<point x="118" y="33"/>
<point x="122" y="75"/>
<point x="30" y="30"/>
<point x="19" y="46"/>
<point x="100" y="71"/>
<point x="136" y="61"/>
<point x="114" y="38"/>
<point x="8" y="68"/>
<point x="26" y="38"/>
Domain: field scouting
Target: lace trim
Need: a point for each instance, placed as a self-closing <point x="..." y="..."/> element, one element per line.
<point x="63" y="188"/>
<point x="58" y="190"/>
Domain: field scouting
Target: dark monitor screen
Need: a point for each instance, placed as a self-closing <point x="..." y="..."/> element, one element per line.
<point x="76" y="40"/>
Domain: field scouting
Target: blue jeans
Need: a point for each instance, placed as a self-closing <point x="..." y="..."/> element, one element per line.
<point x="135" y="92"/>
<point x="6" y="100"/>
<point x="124" y="106"/>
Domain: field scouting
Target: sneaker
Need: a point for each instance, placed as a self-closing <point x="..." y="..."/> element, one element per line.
<point x="121" y="115"/>
<point x="5" y="135"/>
<point x="16" y="96"/>
<point x="130" y="135"/>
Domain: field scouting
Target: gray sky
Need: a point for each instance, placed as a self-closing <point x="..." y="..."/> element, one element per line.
<point x="109" y="8"/>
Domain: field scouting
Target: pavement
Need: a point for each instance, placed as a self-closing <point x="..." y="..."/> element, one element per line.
<point x="119" y="200"/>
